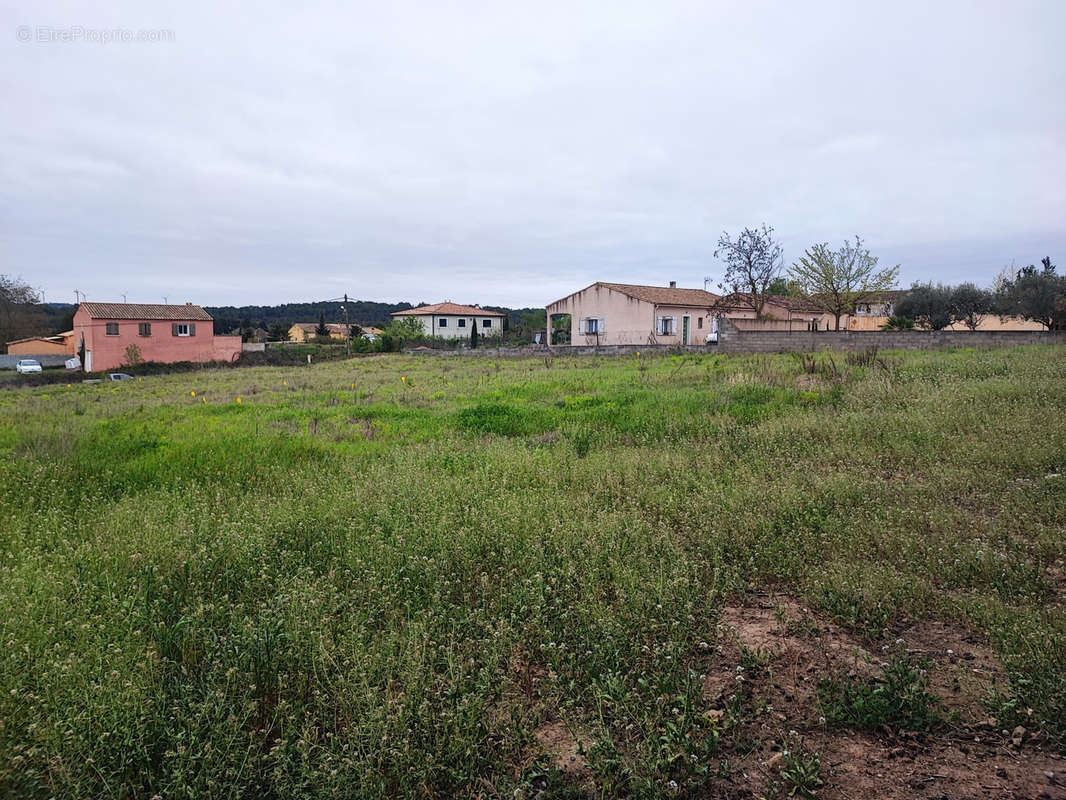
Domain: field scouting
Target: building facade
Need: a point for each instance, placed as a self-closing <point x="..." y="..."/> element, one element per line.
<point x="454" y="321"/>
<point x="622" y="313"/>
<point x="113" y="334"/>
<point x="60" y="344"/>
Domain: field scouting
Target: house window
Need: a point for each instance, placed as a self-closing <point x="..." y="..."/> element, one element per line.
<point x="699" y="322"/>
<point x="593" y="326"/>
<point x="462" y="323"/>
<point x="443" y="323"/>
<point x="144" y="328"/>
<point x="664" y="326"/>
<point x="182" y="329"/>
<point x="111" y="328"/>
<point x="486" y="323"/>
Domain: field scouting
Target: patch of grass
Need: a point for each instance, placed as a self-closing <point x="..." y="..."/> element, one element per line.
<point x="503" y="419"/>
<point x="900" y="699"/>
<point x="371" y="577"/>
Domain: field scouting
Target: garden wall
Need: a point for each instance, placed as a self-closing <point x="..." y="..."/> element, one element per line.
<point x="8" y="361"/>
<point x="732" y="340"/>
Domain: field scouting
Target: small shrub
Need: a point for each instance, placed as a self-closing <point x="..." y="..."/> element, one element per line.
<point x="802" y="772"/>
<point x="900" y="699"/>
<point x="861" y="358"/>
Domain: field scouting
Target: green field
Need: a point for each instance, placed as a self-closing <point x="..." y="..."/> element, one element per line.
<point x="390" y="576"/>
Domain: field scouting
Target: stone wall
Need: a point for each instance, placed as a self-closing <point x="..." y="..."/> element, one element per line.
<point x="567" y="350"/>
<point x="732" y="340"/>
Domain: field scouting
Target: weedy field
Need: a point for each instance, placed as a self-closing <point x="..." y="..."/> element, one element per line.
<point x="680" y="576"/>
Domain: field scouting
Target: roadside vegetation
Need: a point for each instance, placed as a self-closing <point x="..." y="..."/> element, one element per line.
<point x="428" y="576"/>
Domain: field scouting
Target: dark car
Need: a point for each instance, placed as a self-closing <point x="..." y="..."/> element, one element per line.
<point x="119" y="376"/>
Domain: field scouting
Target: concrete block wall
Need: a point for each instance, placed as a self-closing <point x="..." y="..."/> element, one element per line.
<point x="732" y="340"/>
<point x="8" y="361"/>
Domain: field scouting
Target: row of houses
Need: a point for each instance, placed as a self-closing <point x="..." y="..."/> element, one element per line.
<point x="632" y="314"/>
<point x="109" y="335"/>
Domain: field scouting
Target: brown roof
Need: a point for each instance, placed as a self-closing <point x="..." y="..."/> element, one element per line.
<point x="744" y="300"/>
<point x="332" y="327"/>
<point x="51" y="339"/>
<point x="657" y="295"/>
<point x="449" y="308"/>
<point x="145" y="311"/>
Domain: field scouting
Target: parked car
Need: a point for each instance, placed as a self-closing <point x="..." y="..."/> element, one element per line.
<point x="119" y="376"/>
<point x="25" y="366"/>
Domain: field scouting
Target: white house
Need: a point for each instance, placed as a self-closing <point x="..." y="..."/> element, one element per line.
<point x="454" y="321"/>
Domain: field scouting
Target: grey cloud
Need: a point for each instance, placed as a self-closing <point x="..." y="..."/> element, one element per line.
<point x="510" y="154"/>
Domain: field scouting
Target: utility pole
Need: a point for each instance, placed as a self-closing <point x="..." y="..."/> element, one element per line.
<point x="347" y="329"/>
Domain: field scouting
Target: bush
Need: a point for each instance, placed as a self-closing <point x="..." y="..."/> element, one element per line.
<point x="900" y="700"/>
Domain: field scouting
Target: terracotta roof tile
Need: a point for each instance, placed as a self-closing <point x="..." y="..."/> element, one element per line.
<point x="663" y="295"/>
<point x="449" y="308"/>
<point x="145" y="311"/>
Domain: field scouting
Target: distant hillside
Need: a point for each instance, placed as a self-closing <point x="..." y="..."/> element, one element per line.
<point x="362" y="312"/>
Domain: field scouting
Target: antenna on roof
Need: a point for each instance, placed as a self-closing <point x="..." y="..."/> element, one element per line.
<point x="123" y="297"/>
<point x="164" y="299"/>
<point x="77" y="296"/>
<point x="707" y="280"/>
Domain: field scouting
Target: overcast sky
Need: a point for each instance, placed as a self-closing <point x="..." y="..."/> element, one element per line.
<point x="510" y="153"/>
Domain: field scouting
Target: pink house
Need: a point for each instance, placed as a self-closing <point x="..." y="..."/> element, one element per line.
<point x="160" y="333"/>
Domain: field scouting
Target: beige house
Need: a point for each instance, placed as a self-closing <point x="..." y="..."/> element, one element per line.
<point x="454" y="321"/>
<point x="61" y="343"/>
<point x="779" y="312"/>
<point x="305" y="331"/>
<point x="622" y="313"/>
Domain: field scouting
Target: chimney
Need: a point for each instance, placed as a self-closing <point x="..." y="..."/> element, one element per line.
<point x="673" y="284"/>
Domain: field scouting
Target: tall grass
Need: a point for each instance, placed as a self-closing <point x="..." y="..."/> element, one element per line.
<point x="378" y="577"/>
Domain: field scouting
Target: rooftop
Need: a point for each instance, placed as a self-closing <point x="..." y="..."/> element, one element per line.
<point x="181" y="312"/>
<point x="447" y="308"/>
<point x="658" y="295"/>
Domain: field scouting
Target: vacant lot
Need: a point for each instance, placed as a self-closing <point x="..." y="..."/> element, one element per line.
<point x="672" y="576"/>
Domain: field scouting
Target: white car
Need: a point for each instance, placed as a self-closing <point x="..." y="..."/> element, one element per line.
<point x="26" y="366"/>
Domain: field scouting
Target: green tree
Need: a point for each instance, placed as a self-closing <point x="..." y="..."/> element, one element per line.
<point x="20" y="311"/>
<point x="782" y="287"/>
<point x="970" y="304"/>
<point x="1034" y="294"/>
<point x="321" y="329"/>
<point x="278" y="332"/>
<point x="473" y="333"/>
<point x="928" y="305"/>
<point x="404" y="329"/>
<point x="837" y="280"/>
<point x="751" y="263"/>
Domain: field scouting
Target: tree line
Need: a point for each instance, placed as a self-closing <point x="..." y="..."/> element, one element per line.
<point x="836" y="280"/>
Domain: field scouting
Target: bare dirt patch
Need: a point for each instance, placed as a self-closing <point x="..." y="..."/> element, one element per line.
<point x="780" y="650"/>
<point x="562" y="746"/>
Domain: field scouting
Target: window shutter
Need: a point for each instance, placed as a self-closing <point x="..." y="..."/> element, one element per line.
<point x="599" y="325"/>
<point x="173" y="329"/>
<point x="659" y="325"/>
<point x="192" y="329"/>
<point x="583" y="324"/>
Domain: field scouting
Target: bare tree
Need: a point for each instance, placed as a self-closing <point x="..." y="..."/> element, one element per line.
<point x="752" y="262"/>
<point x="836" y="280"/>
<point x="19" y="312"/>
